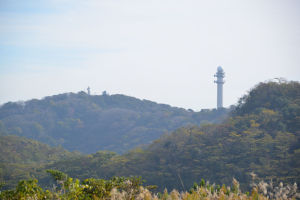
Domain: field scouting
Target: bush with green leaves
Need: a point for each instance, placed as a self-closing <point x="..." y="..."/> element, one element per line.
<point x="120" y="188"/>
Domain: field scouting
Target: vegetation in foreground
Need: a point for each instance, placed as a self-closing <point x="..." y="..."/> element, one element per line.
<point x="120" y="188"/>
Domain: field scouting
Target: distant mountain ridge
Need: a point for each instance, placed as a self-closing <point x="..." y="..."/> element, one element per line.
<point x="89" y="123"/>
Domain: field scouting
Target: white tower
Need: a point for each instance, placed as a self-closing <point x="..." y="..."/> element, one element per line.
<point x="89" y="90"/>
<point x="220" y="75"/>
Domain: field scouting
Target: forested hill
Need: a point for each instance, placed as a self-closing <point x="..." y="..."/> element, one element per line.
<point x="89" y="123"/>
<point x="262" y="136"/>
<point x="22" y="158"/>
<point x="15" y="149"/>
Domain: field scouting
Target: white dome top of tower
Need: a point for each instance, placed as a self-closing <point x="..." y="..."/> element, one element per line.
<point x="220" y="68"/>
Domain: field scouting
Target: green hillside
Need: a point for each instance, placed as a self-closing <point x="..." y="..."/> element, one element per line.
<point x="89" y="123"/>
<point x="22" y="158"/>
<point x="16" y="149"/>
<point x="261" y="135"/>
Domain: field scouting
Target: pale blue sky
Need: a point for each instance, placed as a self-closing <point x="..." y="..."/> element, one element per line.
<point x="162" y="50"/>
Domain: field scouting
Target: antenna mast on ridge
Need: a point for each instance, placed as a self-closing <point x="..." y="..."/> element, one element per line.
<point x="220" y="75"/>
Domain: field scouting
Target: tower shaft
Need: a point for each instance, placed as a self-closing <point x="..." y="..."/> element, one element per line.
<point x="220" y="95"/>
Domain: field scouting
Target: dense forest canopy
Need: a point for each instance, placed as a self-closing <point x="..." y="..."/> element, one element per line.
<point x="89" y="123"/>
<point x="260" y="135"/>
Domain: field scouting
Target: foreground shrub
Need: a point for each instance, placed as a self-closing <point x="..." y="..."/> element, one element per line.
<point x="120" y="188"/>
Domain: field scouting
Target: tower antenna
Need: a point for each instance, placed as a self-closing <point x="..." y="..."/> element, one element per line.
<point x="220" y="75"/>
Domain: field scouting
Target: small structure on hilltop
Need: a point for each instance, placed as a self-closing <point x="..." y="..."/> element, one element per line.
<point x="220" y="75"/>
<point x="89" y="90"/>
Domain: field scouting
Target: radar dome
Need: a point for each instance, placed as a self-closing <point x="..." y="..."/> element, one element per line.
<point x="220" y="68"/>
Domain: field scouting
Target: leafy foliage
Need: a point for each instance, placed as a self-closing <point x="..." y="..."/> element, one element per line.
<point x="68" y="188"/>
<point x="89" y="123"/>
<point x="120" y="188"/>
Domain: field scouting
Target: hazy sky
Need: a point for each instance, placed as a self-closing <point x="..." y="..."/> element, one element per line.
<point x="161" y="50"/>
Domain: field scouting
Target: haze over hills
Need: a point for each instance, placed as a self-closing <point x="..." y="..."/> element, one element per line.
<point x="184" y="53"/>
<point x="89" y="123"/>
<point x="261" y="135"/>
